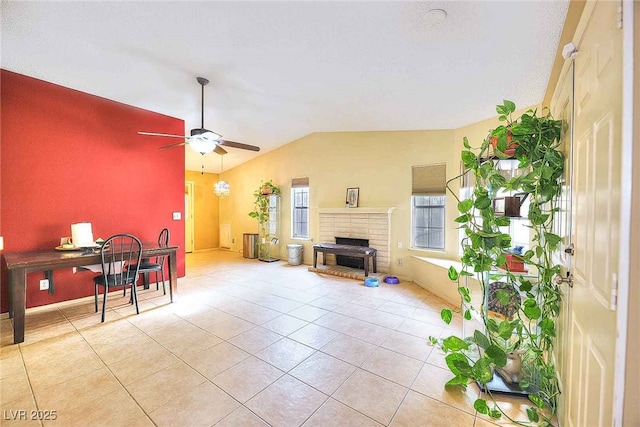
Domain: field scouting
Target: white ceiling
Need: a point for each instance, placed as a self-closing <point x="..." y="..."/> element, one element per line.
<point x="282" y="70"/>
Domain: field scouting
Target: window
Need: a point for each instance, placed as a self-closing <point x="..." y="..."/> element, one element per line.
<point x="428" y="206"/>
<point x="300" y="208"/>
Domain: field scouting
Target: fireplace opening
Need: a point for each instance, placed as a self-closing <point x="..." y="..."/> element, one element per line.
<point x="349" y="261"/>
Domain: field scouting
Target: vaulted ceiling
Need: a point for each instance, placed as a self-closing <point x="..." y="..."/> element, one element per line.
<point x="282" y="70"/>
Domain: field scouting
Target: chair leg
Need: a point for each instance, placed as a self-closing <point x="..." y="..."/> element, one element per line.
<point x="134" y="292"/>
<point x="96" y="295"/>
<point x="164" y="289"/>
<point x="104" y="303"/>
<point x="157" y="284"/>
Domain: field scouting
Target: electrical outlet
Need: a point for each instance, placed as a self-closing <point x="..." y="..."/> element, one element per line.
<point x="44" y="284"/>
<point x="177" y="216"/>
<point x="399" y="262"/>
<point x="399" y="245"/>
<point x="233" y="240"/>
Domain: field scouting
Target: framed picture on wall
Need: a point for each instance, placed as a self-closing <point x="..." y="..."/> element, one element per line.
<point x="353" y="194"/>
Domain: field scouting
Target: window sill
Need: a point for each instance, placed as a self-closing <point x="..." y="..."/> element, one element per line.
<point x="304" y="239"/>
<point x="425" y="250"/>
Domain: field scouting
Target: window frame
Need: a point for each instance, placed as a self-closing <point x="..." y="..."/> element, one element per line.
<point x="414" y="229"/>
<point x="294" y="209"/>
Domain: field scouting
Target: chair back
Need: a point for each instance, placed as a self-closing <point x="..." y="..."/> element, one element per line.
<point x="118" y="252"/>
<point x="163" y="242"/>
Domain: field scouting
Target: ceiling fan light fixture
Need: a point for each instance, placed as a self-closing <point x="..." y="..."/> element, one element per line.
<point x="202" y="144"/>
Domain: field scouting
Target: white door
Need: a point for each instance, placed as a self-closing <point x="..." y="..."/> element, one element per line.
<point x="587" y="355"/>
<point x="188" y="217"/>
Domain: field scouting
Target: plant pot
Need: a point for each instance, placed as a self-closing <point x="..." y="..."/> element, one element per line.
<point x="511" y="146"/>
<point x="265" y="191"/>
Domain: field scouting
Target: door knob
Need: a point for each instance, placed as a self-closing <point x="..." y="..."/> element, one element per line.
<point x="559" y="280"/>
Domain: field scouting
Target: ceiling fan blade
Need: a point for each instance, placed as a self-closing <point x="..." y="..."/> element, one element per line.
<point x="161" y="134"/>
<point x="238" y="145"/>
<point x="220" y="150"/>
<point x="179" y="144"/>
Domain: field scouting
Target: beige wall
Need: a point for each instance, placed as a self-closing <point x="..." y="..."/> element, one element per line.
<point x="206" y="211"/>
<point x="379" y="163"/>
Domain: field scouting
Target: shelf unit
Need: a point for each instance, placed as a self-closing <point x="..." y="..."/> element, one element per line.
<point x="269" y="232"/>
<point x="520" y="234"/>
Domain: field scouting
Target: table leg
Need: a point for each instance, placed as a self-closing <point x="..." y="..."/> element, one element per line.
<point x="315" y="258"/>
<point x="18" y="292"/>
<point x="173" y="273"/>
<point x="375" y="267"/>
<point x="145" y="280"/>
<point x="366" y="265"/>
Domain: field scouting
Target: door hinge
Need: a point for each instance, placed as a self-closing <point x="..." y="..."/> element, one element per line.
<point x="620" y="14"/>
<point x="569" y="250"/>
<point x="613" y="304"/>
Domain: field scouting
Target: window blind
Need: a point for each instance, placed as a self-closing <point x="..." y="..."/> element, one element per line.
<point x="299" y="182"/>
<point x="429" y="179"/>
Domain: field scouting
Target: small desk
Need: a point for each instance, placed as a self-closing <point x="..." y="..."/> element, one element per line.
<point x="21" y="263"/>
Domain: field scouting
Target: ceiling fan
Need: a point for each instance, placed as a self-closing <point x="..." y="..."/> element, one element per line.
<point x="203" y="140"/>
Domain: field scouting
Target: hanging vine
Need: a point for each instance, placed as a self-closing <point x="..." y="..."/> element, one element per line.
<point x="529" y="332"/>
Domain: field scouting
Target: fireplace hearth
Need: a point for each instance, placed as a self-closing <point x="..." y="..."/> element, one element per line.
<point x="348" y="261"/>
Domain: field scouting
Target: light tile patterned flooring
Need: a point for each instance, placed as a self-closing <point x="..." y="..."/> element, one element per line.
<point x="245" y="343"/>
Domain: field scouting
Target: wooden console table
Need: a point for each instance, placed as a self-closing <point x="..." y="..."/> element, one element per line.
<point x="21" y="263"/>
<point x="348" y="250"/>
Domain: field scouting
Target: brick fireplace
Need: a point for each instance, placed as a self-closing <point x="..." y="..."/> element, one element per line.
<point x="373" y="224"/>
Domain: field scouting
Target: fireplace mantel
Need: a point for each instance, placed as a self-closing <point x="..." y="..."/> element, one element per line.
<point x="355" y="211"/>
<point x="372" y="224"/>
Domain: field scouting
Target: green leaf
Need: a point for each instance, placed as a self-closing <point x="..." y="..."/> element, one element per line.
<point x="454" y="343"/>
<point x="497" y="355"/>
<point x="481" y="406"/>
<point x="465" y="206"/>
<point x="458" y="359"/>
<point x="462" y="365"/>
<point x="482" y="370"/>
<point x="537" y="401"/>
<point x="532" y="413"/>
<point x="446" y="315"/>
<point x="457" y="380"/>
<point x="509" y="106"/>
<point x="453" y="274"/>
<point x="532" y="313"/>
<point x="465" y="142"/>
<point x="503" y="221"/>
<point x="503" y="296"/>
<point x="467" y="314"/>
<point x="482" y="202"/>
<point x="552" y="240"/>
<point x="462" y="219"/>
<point x="494" y="413"/>
<point x="505" y="329"/>
<point x="501" y="260"/>
<point x="481" y="339"/>
<point x="469" y="160"/>
<point x="464" y="293"/>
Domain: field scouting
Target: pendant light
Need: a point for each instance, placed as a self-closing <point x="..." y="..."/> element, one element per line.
<point x="221" y="188"/>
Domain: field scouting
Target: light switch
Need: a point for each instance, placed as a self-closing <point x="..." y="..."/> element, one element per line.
<point x="177" y="216"/>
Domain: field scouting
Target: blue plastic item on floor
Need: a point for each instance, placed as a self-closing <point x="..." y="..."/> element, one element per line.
<point x="371" y="282"/>
<point x="392" y="280"/>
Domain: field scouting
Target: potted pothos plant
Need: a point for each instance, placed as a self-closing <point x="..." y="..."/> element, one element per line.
<point x="261" y="201"/>
<point x="531" y="302"/>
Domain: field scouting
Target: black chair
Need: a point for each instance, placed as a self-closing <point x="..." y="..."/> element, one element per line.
<point x="120" y="257"/>
<point x="147" y="266"/>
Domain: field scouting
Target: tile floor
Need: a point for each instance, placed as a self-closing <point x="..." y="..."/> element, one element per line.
<point x="245" y="343"/>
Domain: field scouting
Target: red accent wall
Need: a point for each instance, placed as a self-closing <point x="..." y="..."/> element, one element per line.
<point x="68" y="157"/>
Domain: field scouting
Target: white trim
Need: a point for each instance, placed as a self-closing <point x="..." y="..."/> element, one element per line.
<point x="626" y="194"/>
<point x="355" y="211"/>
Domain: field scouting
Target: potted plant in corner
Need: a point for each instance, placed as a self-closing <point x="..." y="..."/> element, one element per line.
<point x="263" y="205"/>
<point x="519" y="344"/>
